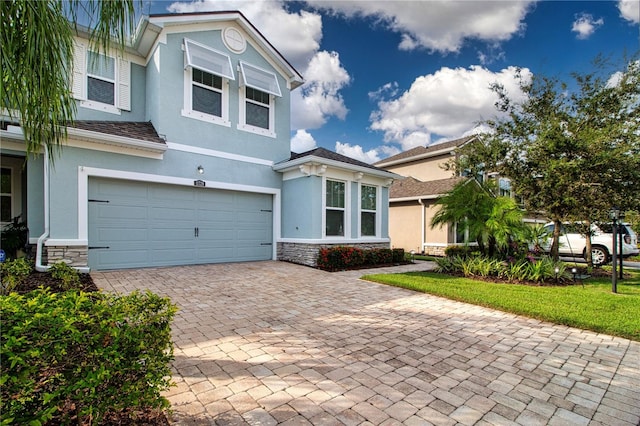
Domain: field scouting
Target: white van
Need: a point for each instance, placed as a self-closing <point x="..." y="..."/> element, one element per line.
<point x="573" y="242"/>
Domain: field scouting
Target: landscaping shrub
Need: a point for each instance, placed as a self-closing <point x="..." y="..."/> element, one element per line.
<point x="66" y="274"/>
<point x="82" y="354"/>
<point x="340" y="258"/>
<point x="462" y="251"/>
<point x="12" y="273"/>
<point x="527" y="269"/>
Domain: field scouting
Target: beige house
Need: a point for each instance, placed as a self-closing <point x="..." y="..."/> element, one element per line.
<point x="412" y="200"/>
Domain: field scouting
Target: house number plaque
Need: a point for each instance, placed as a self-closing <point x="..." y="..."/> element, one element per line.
<point x="199" y="183"/>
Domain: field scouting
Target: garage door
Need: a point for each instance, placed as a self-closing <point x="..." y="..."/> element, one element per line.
<point x="138" y="224"/>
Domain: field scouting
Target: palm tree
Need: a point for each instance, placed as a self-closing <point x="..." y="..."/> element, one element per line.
<point x="37" y="59"/>
<point x="493" y="221"/>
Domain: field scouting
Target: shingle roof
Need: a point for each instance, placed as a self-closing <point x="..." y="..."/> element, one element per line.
<point x="330" y="155"/>
<point x="411" y="187"/>
<point x="129" y="129"/>
<point x="421" y="150"/>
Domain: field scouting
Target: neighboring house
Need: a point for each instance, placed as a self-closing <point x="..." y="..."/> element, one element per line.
<point x="181" y="155"/>
<point x="412" y="199"/>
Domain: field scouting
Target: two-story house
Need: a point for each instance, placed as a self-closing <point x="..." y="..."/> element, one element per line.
<point x="412" y="202"/>
<point x="180" y="154"/>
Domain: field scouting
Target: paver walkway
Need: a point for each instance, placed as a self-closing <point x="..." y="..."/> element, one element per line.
<point x="271" y="343"/>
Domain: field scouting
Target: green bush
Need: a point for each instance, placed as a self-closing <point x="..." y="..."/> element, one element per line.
<point x="86" y="352"/>
<point x="66" y="274"/>
<point x="339" y="258"/>
<point x="12" y="273"/>
<point x="462" y="251"/>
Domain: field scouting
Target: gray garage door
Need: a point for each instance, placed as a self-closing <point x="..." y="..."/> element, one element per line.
<point x="138" y="224"/>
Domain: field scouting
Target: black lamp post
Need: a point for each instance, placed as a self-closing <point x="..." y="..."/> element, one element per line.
<point x="614" y="214"/>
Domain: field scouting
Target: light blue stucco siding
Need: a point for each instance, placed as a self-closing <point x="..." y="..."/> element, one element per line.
<point x="166" y="90"/>
<point x="384" y="228"/>
<point x="35" y="196"/>
<point x="302" y="208"/>
<point x="355" y="209"/>
<point x="64" y="178"/>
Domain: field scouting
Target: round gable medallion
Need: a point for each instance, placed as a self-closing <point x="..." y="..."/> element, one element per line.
<point x="234" y="40"/>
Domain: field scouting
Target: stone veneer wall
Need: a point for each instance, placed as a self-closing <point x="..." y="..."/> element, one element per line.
<point x="434" y="250"/>
<point x="306" y="254"/>
<point x="73" y="256"/>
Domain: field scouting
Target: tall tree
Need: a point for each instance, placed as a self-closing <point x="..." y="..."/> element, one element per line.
<point x="572" y="151"/>
<point x="37" y="59"/>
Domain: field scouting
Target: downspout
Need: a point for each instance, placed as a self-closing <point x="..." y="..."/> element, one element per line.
<point x="38" y="265"/>
<point x="422" y="227"/>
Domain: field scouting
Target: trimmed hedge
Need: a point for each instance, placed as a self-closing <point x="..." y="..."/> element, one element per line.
<point x="339" y="258"/>
<point x="82" y="354"/>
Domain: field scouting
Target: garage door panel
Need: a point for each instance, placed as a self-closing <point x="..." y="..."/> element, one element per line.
<point x="149" y="224"/>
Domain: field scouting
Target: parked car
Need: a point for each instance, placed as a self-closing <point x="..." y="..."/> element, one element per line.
<point x="573" y="241"/>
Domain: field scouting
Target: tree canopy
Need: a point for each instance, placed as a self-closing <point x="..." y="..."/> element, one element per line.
<point x="572" y="152"/>
<point x="37" y="59"/>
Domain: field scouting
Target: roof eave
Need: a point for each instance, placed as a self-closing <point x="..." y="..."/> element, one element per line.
<point x="315" y="160"/>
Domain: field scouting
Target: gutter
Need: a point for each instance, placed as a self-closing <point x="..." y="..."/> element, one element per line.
<point x="38" y="265"/>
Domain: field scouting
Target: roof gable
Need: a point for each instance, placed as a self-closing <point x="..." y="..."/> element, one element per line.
<point x="421" y="152"/>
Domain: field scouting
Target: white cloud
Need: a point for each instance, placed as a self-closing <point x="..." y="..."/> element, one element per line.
<point x="356" y="152"/>
<point x="446" y="104"/>
<point x="439" y="25"/>
<point x="388" y="90"/>
<point x="302" y="141"/>
<point x="585" y="25"/>
<point x="297" y="37"/>
<point x="630" y="10"/>
<point x="319" y="98"/>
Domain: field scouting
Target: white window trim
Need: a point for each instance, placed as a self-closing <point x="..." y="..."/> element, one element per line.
<point x="242" y="122"/>
<point x="378" y="226"/>
<point x="188" y="110"/>
<point x="11" y="194"/>
<point x="347" y="210"/>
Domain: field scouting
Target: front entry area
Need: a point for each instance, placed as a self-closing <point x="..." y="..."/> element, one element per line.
<point x="140" y="224"/>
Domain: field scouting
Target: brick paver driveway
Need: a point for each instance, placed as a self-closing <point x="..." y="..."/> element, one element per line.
<point x="275" y="343"/>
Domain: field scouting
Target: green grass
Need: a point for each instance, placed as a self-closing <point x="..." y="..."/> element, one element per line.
<point x="592" y="307"/>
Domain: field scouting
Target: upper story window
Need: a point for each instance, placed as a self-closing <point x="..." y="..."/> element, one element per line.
<point x="101" y="78"/>
<point x="335" y="208"/>
<point x="368" y="210"/>
<point x="504" y="187"/>
<point x="258" y="89"/>
<point x="206" y="88"/>
<point x="100" y="81"/>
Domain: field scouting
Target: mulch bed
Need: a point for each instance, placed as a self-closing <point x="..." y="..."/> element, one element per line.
<point x="128" y="417"/>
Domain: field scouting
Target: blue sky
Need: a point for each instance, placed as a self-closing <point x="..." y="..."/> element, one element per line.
<point x="386" y="76"/>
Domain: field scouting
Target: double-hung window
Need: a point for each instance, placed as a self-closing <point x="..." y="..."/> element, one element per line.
<point x="335" y="197"/>
<point x="100" y="81"/>
<point x="258" y="89"/>
<point x="101" y="78"/>
<point x="368" y="210"/>
<point x="206" y="94"/>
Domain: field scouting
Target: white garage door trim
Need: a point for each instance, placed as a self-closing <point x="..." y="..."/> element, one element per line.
<point x="83" y="194"/>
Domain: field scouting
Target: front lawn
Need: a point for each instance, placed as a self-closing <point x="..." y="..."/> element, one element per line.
<point x="592" y="307"/>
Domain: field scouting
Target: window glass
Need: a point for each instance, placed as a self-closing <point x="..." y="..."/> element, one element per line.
<point x="257" y="112"/>
<point x="101" y="91"/>
<point x="335" y="223"/>
<point x="5" y="198"/>
<point x="335" y="194"/>
<point x="101" y="74"/>
<point x="368" y="197"/>
<point x="460" y="233"/>
<point x="368" y="224"/>
<point x="206" y="93"/>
